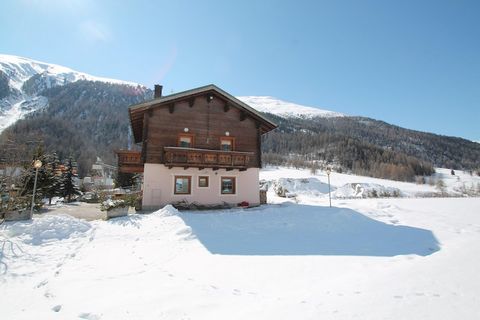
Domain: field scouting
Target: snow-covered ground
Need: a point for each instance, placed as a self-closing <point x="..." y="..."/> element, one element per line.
<point x="383" y="258"/>
<point x="353" y="186"/>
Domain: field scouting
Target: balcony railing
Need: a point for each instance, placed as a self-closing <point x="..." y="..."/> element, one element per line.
<point x="204" y="158"/>
<point x="130" y="161"/>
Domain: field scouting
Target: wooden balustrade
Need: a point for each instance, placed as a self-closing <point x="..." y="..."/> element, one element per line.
<point x="204" y="158"/>
<point x="129" y="161"/>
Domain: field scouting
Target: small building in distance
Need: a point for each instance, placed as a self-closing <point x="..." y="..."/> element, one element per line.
<point x="102" y="175"/>
<point x="199" y="146"/>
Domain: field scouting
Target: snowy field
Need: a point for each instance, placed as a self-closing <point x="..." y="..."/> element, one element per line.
<point x="296" y="258"/>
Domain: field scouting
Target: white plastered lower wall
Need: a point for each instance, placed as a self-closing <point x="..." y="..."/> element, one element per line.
<point x="159" y="180"/>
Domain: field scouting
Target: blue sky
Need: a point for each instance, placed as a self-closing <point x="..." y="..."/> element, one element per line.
<point x="411" y="63"/>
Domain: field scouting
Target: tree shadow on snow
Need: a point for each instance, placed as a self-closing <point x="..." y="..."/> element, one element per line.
<point x="305" y="230"/>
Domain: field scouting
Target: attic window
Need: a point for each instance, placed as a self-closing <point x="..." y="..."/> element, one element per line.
<point x="185" y="140"/>
<point x="227" y="144"/>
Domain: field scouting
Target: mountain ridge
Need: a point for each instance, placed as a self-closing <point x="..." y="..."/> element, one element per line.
<point x="286" y="109"/>
<point x="87" y="118"/>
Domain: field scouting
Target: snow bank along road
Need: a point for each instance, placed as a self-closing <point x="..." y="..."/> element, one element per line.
<point x="365" y="259"/>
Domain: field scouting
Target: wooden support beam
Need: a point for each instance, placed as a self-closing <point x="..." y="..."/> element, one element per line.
<point x="145" y="137"/>
<point x="209" y="97"/>
<point x="171" y="107"/>
<point x="243" y="116"/>
<point x="259" y="150"/>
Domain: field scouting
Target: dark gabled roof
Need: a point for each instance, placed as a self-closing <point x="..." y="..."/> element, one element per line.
<point x="137" y="111"/>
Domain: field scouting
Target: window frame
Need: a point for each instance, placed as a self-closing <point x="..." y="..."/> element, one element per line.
<point x="232" y="142"/>
<point x="186" y="135"/>
<point x="234" y="185"/>
<point x="189" y="178"/>
<point x="208" y="181"/>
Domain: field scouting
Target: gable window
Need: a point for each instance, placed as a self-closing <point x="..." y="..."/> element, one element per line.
<point x="227" y="143"/>
<point x="185" y="140"/>
<point x="203" y="182"/>
<point x="182" y="184"/>
<point x="228" y="185"/>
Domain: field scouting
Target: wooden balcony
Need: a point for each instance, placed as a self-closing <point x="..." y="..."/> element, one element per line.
<point x="204" y="158"/>
<point x="129" y="161"/>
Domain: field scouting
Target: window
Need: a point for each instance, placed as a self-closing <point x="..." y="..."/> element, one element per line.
<point x="203" y="181"/>
<point x="227" y="144"/>
<point x="182" y="184"/>
<point x="185" y="140"/>
<point x="228" y="185"/>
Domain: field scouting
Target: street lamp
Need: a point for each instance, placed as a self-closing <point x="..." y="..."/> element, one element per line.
<point x="37" y="165"/>
<point x="328" y="175"/>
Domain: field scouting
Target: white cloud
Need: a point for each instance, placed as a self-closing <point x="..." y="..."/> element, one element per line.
<point x="94" y="31"/>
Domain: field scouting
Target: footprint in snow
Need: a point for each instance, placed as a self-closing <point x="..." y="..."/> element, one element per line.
<point x="89" y="316"/>
<point x="41" y="284"/>
<point x="57" y="308"/>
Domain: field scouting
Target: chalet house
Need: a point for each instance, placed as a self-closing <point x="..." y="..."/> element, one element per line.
<point x="198" y="146"/>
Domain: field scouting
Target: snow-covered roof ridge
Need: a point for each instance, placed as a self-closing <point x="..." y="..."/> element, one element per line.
<point x="20" y="69"/>
<point x="286" y="109"/>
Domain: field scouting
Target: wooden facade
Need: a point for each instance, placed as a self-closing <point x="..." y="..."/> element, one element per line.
<point x="188" y="129"/>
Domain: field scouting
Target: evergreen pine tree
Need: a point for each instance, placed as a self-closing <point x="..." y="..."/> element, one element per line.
<point x="68" y="187"/>
<point x="53" y="187"/>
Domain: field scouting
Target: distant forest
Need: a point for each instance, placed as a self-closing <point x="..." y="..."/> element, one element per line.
<point x="366" y="147"/>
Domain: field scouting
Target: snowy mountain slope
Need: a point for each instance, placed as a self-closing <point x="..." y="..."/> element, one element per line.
<point x="21" y="69"/>
<point x="27" y="78"/>
<point x="286" y="109"/>
<point x="19" y="109"/>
